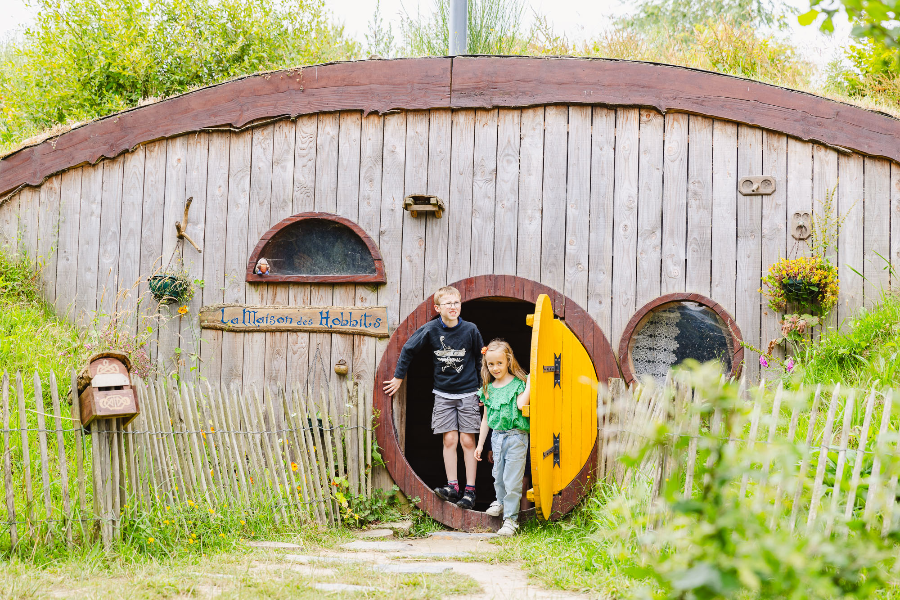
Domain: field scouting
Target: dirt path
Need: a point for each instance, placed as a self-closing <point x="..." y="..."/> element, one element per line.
<point x="441" y="553"/>
<point x="445" y="565"/>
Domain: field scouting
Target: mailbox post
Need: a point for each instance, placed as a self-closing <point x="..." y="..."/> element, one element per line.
<point x="106" y="391"/>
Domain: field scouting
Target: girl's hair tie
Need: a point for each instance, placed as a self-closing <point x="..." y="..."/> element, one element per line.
<point x="484" y="349"/>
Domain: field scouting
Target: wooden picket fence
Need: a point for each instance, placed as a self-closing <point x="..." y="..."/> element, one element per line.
<point x="59" y="509"/>
<point x="779" y="421"/>
<point x="192" y="443"/>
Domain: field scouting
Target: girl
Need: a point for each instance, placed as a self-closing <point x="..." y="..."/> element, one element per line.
<point x="504" y="392"/>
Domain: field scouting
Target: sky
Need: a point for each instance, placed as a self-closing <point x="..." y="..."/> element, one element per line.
<point x="578" y="19"/>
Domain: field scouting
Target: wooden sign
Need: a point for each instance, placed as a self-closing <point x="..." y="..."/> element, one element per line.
<point x="365" y="320"/>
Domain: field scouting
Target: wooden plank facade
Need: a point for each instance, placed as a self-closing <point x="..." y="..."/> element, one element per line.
<point x="604" y="198"/>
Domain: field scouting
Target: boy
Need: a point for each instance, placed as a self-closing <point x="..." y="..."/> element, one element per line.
<point x="456" y="347"/>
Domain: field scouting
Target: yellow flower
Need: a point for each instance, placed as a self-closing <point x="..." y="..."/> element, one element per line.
<point x="190" y="541"/>
<point x="294" y="467"/>
<point x="211" y="511"/>
<point x="150" y="540"/>
<point x="190" y="503"/>
<point x="243" y="522"/>
<point x="221" y="535"/>
<point x="183" y="310"/>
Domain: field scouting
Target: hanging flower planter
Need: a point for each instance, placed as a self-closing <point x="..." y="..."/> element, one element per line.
<point x="171" y="288"/>
<point x="802" y="285"/>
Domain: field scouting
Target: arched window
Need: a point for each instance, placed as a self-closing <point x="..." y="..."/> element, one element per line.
<point x="316" y="247"/>
<point x="673" y="328"/>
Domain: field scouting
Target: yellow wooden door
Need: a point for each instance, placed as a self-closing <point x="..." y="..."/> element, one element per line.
<point x="563" y="407"/>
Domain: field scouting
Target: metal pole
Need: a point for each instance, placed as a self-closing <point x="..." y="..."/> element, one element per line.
<point x="459" y="27"/>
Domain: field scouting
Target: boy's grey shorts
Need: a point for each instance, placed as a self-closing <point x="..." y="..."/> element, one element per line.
<point x="456" y="414"/>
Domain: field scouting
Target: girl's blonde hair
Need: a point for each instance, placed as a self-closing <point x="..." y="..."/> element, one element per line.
<point x="512" y="363"/>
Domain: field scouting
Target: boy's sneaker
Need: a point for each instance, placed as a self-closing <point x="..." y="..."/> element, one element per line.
<point x="495" y="509"/>
<point x="447" y="493"/>
<point x="509" y="528"/>
<point x="468" y="500"/>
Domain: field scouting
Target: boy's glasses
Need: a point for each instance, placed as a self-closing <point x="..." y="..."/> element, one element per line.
<point x="451" y="304"/>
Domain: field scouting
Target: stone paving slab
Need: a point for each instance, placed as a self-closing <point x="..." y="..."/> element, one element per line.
<point x="308" y="558"/>
<point x="431" y="569"/>
<point x="278" y="545"/>
<point x="402" y="526"/>
<point x="377" y="546"/>
<point x="460" y="535"/>
<point x="441" y="555"/>
<point x="343" y="587"/>
<point x="375" y="533"/>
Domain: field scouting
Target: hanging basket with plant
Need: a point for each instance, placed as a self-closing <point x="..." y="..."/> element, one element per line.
<point x="802" y="285"/>
<point x="172" y="287"/>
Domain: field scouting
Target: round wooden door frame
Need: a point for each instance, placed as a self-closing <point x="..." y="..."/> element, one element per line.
<point x="485" y="286"/>
<point x="737" y="359"/>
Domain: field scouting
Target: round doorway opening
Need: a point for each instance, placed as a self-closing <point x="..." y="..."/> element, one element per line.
<point x="674" y="328"/>
<point x="495" y="318"/>
<point x="499" y="305"/>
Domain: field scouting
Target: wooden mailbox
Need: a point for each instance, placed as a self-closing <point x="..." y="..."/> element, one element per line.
<point x="107" y="392"/>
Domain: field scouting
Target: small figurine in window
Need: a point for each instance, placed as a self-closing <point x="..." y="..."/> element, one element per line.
<point x="262" y="267"/>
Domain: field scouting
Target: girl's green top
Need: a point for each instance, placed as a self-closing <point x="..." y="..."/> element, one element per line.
<point x="502" y="411"/>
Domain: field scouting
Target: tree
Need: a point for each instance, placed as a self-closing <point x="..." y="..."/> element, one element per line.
<point x="683" y="16"/>
<point x="83" y="59"/>
<point x="379" y="41"/>
<point x="876" y="20"/>
<point x="495" y="27"/>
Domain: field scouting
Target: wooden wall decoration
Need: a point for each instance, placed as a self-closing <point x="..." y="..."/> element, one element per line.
<point x="361" y="320"/>
<point x="317" y="247"/>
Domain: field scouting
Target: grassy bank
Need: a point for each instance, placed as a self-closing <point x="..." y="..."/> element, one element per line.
<point x="32" y="337"/>
<point x="863" y="354"/>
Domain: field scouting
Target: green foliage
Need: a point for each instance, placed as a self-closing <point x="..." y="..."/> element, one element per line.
<point x="723" y="45"/>
<point x="875" y="20"/>
<point x="83" y="59"/>
<point x="379" y="41"/>
<point x="721" y="544"/>
<point x="359" y="511"/>
<point x="866" y="352"/>
<point x="873" y="71"/>
<point x="32" y="337"/>
<point x="682" y="17"/>
<point x="495" y="27"/>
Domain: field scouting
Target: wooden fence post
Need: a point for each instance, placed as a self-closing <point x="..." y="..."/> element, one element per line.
<point x="7" y="468"/>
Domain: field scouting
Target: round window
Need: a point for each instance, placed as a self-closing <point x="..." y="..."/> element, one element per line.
<point x="677" y="327"/>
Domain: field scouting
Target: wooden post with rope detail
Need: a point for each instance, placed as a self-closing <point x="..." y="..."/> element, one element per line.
<point x="181" y="228"/>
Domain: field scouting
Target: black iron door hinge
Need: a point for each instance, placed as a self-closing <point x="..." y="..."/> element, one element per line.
<point x="554" y="450"/>
<point x="555" y="369"/>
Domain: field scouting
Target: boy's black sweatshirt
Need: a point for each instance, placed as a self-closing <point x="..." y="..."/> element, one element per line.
<point x="456" y="352"/>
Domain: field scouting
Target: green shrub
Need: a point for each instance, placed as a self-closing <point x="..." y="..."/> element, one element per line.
<point x="864" y="353"/>
<point x="722" y="45"/>
<point x="875" y="71"/>
<point x="83" y="59"/>
<point x="721" y="544"/>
